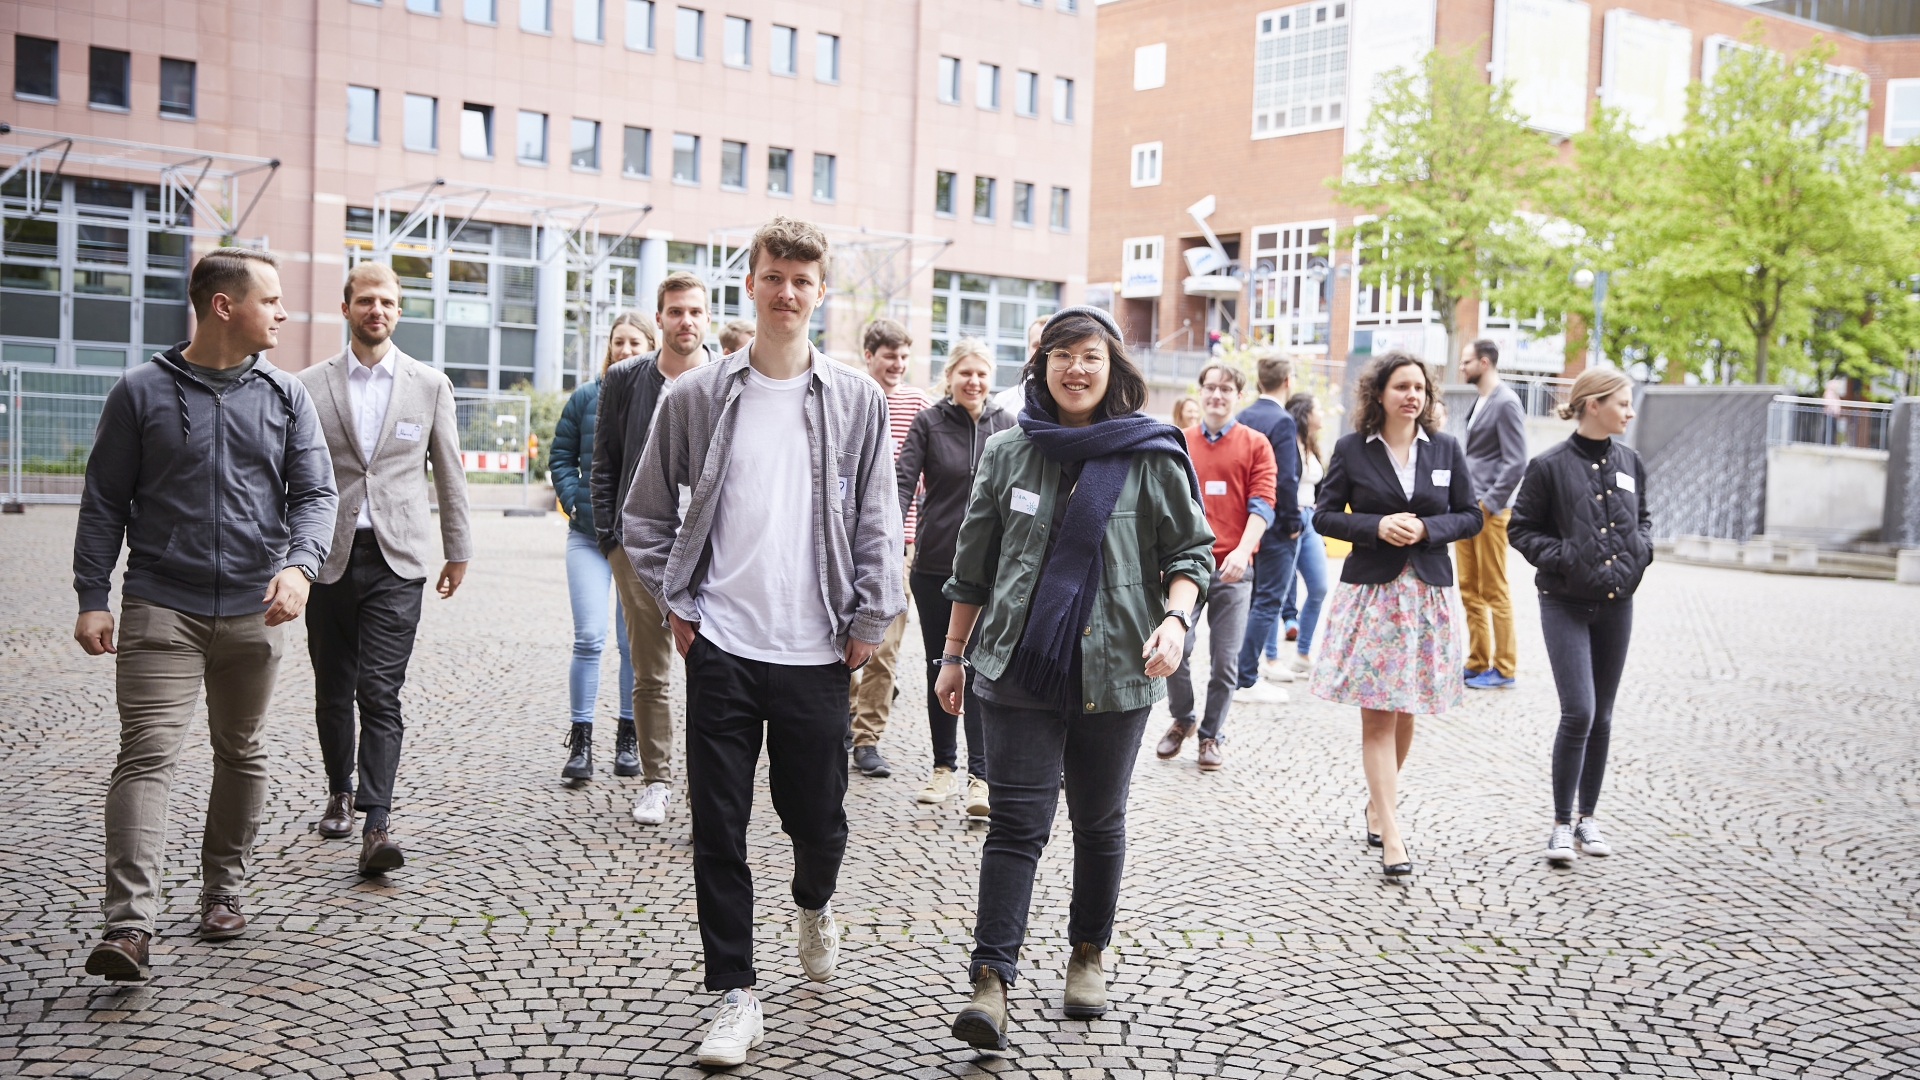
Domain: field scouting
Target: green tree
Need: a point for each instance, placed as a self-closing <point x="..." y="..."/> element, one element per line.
<point x="1446" y="168"/>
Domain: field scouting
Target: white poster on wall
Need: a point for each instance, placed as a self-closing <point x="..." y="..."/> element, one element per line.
<point x="1387" y="34"/>
<point x="1645" y="65"/>
<point x="1541" y="45"/>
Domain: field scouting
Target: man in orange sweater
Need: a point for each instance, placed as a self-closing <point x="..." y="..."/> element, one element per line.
<point x="1236" y="470"/>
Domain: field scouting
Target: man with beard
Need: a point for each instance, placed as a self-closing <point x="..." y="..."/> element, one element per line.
<point x="1496" y="456"/>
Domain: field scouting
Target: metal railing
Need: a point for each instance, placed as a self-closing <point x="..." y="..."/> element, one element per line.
<point x="1540" y="395"/>
<point x="493" y="430"/>
<point x="1828" y="422"/>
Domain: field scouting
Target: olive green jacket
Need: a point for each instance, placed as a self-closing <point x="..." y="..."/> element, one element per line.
<point x="1155" y="532"/>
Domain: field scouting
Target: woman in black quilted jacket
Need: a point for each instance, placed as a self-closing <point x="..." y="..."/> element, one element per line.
<point x="1581" y="520"/>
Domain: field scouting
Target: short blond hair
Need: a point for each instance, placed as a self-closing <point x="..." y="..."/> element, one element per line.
<point x="363" y="274"/>
<point x="967" y="348"/>
<point x="1593" y="384"/>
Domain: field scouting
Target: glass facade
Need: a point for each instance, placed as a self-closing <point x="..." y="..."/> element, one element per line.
<point x="1291" y="285"/>
<point x="993" y="309"/>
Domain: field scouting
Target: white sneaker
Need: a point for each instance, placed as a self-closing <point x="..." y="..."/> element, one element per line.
<point x="651" y="807"/>
<point x="819" y="943"/>
<point x="1301" y="663"/>
<point x="1560" y="845"/>
<point x="940" y="786"/>
<point x="736" y="1029"/>
<point x="1261" y="693"/>
<point x="978" y="803"/>
<point x="1586" y="835"/>
<point x="1276" y="670"/>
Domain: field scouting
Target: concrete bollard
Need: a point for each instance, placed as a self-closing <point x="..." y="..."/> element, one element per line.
<point x="1757" y="554"/>
<point x="1803" y="557"/>
<point x="1722" y="549"/>
<point x="1906" y="566"/>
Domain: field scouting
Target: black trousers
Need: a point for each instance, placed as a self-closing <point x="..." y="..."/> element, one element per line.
<point x="360" y="637"/>
<point x="935" y="611"/>
<point x="732" y="703"/>
<point x="1587" y="644"/>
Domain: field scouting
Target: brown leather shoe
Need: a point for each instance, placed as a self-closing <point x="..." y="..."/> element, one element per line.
<point x="1171" y="742"/>
<point x="379" y="854"/>
<point x="337" y="822"/>
<point x="121" y="956"/>
<point x="1210" y="756"/>
<point x="220" y="917"/>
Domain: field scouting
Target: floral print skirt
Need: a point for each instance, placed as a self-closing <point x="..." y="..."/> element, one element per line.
<point x="1392" y="646"/>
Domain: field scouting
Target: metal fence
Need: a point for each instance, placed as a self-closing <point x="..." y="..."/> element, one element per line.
<point x="1540" y="395"/>
<point x="1824" y="422"/>
<point x="493" y="440"/>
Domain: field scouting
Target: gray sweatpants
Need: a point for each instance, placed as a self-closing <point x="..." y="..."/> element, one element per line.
<point x="1225" y="609"/>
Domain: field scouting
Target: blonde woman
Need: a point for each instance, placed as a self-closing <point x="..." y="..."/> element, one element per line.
<point x="1581" y="520"/>
<point x="588" y="575"/>
<point x="1186" y="412"/>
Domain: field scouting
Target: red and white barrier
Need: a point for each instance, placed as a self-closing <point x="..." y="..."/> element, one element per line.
<point x="492" y="461"/>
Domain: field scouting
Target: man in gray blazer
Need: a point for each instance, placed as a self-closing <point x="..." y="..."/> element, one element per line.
<point x="1496" y="456"/>
<point x="387" y="418"/>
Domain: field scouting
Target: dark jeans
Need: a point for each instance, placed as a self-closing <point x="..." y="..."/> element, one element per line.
<point x="360" y="637"/>
<point x="1272" y="578"/>
<point x="802" y="712"/>
<point x="1028" y="749"/>
<point x="935" y="611"/>
<point x="1587" y="644"/>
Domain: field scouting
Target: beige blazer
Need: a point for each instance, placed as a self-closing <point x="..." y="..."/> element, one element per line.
<point x="394" y="482"/>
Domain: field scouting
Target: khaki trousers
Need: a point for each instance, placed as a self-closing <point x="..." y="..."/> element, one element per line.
<point x="870" y="690"/>
<point x="1482" y="561"/>
<point x="164" y="656"/>
<point x="650" y="644"/>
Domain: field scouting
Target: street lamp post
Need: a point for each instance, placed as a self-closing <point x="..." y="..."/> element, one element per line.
<point x="1597" y="281"/>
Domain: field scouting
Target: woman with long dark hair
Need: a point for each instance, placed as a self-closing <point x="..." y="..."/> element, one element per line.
<point x="1582" y="521"/>
<point x="1397" y="489"/>
<point x="1310" y="563"/>
<point x="1081" y="557"/>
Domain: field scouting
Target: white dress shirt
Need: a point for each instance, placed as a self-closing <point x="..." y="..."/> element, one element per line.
<point x="1404" y="473"/>
<point x="368" y="391"/>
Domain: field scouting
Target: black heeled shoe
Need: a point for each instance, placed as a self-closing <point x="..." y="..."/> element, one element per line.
<point x="1395" y="871"/>
<point x="1373" y="840"/>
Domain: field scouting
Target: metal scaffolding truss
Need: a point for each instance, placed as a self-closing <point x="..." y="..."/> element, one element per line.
<point x="202" y="186"/>
<point x="875" y="262"/>
<point x="399" y="212"/>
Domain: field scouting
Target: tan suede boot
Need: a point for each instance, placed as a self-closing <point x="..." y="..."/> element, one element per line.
<point x="1086" y="982"/>
<point x="983" y="1023"/>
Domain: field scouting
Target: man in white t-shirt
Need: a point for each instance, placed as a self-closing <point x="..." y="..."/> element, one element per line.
<point x="783" y="577"/>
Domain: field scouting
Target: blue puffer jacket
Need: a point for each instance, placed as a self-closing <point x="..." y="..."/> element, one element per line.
<point x="570" y="459"/>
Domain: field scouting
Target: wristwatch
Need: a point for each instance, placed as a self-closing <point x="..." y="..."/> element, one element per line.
<point x="308" y="574"/>
<point x="1185" y="617"/>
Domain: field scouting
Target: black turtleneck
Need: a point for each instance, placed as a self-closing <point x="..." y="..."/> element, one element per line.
<point x="1591" y="449"/>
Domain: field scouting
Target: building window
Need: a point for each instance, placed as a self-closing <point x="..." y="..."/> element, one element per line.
<point x="1022" y="203"/>
<point x="636" y="152"/>
<point x="689" y="26"/>
<point x="420" y="123"/>
<point x="36" y="68"/>
<point x="779" y="171"/>
<point x="1903" y="111"/>
<point x="589" y="20"/>
<point x="584" y="148"/>
<point x="536" y="16"/>
<point x="986" y="86"/>
<point x="1150" y="67"/>
<point x="1062" y="100"/>
<point x="1300" y="69"/>
<point x="640" y="24"/>
<point x="1060" y="213"/>
<point x="943" y="194"/>
<point x="530" y="140"/>
<point x="1292" y="288"/>
<point x="785" y="51"/>
<point x="737" y="45"/>
<point x="686" y="157"/>
<point x="993" y="309"/>
<point x="983" y="198"/>
<point x="823" y="180"/>
<point x="1069" y="6"/>
<point x="476" y="131"/>
<point x="424" y="7"/>
<point x="1146" y="164"/>
<point x="949" y="88"/>
<point x="733" y="165"/>
<point x="176" y="87"/>
<point x="363" y="114"/>
<point x="107" y="78"/>
<point x="1026" y="93"/>
<point x="481" y="11"/>
<point x="826" y="57"/>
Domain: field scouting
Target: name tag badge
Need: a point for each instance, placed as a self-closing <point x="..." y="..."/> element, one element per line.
<point x="1216" y="487"/>
<point x="1624" y="480"/>
<point x="841" y="498"/>
<point x="409" y="432"/>
<point x="1442" y="478"/>
<point x="1024" y="502"/>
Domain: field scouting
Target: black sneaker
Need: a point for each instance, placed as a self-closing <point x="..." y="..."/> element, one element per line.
<point x="868" y="760"/>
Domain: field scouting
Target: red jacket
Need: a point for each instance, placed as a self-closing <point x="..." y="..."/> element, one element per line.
<point x="1234" y="470"/>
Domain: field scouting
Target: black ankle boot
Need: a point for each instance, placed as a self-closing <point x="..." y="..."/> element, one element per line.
<point x="580" y="762"/>
<point x="626" y="744"/>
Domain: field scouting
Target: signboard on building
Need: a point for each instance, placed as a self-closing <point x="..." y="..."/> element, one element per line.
<point x="1541" y="45"/>
<point x="1142" y="266"/>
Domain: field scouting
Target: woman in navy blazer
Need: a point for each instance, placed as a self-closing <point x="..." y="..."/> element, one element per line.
<point x="1397" y="489"/>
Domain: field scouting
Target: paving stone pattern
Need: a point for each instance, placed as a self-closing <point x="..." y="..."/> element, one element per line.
<point x="1759" y="919"/>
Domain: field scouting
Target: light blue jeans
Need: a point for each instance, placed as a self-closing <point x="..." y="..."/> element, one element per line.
<point x="589" y="586"/>
<point x="1311" y="564"/>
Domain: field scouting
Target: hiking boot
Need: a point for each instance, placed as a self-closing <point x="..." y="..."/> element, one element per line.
<point x="580" y="761"/>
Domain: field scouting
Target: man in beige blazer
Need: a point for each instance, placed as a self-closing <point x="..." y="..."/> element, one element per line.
<point x="387" y="418"/>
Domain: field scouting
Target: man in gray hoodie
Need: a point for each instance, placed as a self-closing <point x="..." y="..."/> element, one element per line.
<point x="209" y="463"/>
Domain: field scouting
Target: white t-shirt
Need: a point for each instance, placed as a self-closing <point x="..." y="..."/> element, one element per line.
<point x="763" y="598"/>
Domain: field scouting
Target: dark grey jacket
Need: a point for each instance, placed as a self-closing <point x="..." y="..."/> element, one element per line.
<point x="628" y="393"/>
<point x="1583" y="523"/>
<point x="1497" y="447"/>
<point x="943" y="446"/>
<point x="214" y="494"/>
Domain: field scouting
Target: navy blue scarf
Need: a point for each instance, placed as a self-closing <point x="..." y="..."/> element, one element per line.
<point x="1070" y="580"/>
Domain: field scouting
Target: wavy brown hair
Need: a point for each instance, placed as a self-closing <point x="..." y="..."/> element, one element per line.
<point x="638" y="322"/>
<point x="1369" y="414"/>
<point x="1126" y="387"/>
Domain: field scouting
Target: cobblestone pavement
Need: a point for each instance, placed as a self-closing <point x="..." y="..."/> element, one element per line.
<point x="1760" y="918"/>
